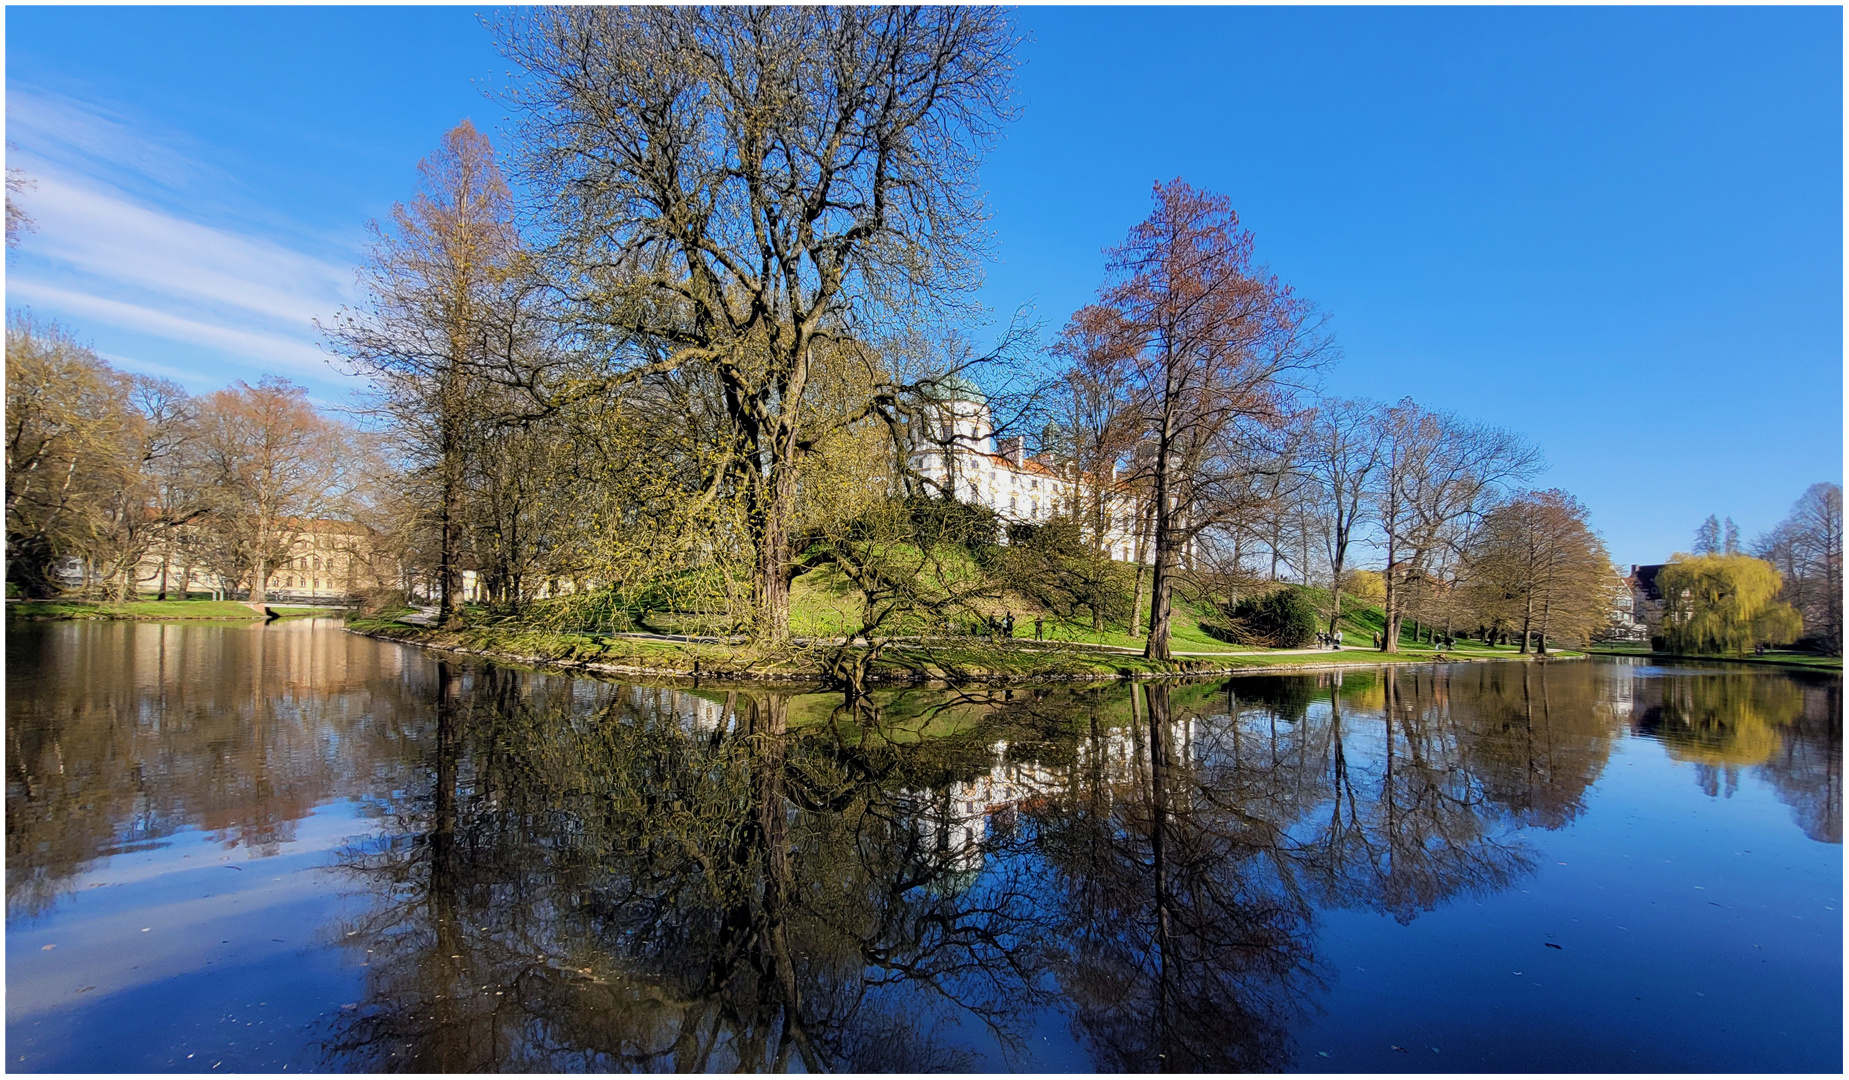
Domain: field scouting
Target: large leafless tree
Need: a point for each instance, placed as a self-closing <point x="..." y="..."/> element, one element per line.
<point x="1437" y="474"/>
<point x="450" y="318"/>
<point x="729" y="189"/>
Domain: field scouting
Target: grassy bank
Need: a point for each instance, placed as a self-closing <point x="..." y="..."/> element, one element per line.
<point x="145" y="609"/>
<point x="1809" y="661"/>
<point x="950" y="659"/>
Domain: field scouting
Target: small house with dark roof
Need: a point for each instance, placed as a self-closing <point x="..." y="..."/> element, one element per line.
<point x="1646" y="601"/>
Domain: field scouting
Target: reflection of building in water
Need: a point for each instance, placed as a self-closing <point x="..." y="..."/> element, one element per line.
<point x="954" y="822"/>
<point x="1618" y="697"/>
<point x="694" y="714"/>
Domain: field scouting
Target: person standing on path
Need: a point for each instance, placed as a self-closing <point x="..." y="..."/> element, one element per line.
<point x="1008" y="625"/>
<point x="1338" y="641"/>
<point x="1039" y="625"/>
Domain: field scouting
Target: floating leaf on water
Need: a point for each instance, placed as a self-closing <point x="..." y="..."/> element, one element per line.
<point x="1551" y="945"/>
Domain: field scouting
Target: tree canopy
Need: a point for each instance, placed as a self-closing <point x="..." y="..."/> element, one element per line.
<point x="1723" y="604"/>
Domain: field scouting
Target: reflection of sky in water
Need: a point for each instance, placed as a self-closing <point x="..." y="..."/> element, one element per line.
<point x="1661" y="828"/>
<point x="185" y="949"/>
<point x="1696" y="934"/>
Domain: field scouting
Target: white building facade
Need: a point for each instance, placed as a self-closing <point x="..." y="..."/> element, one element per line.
<point x="962" y="458"/>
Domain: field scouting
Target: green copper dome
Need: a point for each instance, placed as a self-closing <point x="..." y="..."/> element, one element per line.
<point x="952" y="388"/>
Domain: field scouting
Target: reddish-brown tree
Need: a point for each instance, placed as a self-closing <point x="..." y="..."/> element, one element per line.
<point x="1206" y="339"/>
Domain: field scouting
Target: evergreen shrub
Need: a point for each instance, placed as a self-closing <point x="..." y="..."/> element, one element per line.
<point x="1282" y="619"/>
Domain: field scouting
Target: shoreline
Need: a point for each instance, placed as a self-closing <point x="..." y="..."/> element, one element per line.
<point x="897" y="667"/>
<point x="157" y="611"/>
<point x="1819" y="663"/>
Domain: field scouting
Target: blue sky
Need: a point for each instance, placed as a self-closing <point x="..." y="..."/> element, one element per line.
<point x="1617" y="231"/>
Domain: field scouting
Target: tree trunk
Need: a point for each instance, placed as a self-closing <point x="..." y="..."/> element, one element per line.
<point x="1136" y="598"/>
<point x="1390" y="630"/>
<point x="1139" y="552"/>
<point x="773" y="544"/>
<point x="449" y="539"/>
<point x="1157" y="647"/>
<point x="1527" y="623"/>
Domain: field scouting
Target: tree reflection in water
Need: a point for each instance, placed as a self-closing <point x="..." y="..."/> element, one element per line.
<point x="1786" y="725"/>
<point x="612" y="887"/>
<point x="575" y="875"/>
<point x="120" y="735"/>
<point x="1181" y="946"/>
<point x="590" y="876"/>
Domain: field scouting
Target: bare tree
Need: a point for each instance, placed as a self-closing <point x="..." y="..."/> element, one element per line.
<point x="67" y="419"/>
<point x="1807" y="550"/>
<point x="1535" y="560"/>
<point x="1206" y="339"/>
<point x="1341" y="450"/>
<point x="17" y="220"/>
<point x="1099" y="422"/>
<point x="276" y="466"/>
<point x="729" y="188"/>
<point x="451" y="315"/>
<point x="157" y="488"/>
<point x="1436" y="475"/>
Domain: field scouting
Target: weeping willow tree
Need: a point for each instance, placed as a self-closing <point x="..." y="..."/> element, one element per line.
<point x="1723" y="604"/>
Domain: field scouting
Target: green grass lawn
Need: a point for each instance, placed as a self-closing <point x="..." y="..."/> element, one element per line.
<point x="133" y="609"/>
<point x="146" y="609"/>
<point x="952" y="659"/>
<point x="825" y="606"/>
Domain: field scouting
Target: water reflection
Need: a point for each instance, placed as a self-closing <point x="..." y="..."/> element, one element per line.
<point x="569" y="875"/>
<point x="617" y="884"/>
<point x="120" y="734"/>
<point x="1786" y="728"/>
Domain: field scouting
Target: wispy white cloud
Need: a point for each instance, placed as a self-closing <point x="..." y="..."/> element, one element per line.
<point x="123" y="243"/>
<point x="191" y="380"/>
<point x="263" y="351"/>
<point x="106" y="236"/>
<point x="97" y="140"/>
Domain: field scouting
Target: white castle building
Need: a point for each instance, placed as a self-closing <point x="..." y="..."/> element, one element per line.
<point x="962" y="458"/>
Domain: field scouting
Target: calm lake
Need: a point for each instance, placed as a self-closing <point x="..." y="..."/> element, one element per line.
<point x="244" y="848"/>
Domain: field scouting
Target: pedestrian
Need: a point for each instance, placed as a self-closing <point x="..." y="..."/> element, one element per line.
<point x="1377" y="641"/>
<point x="1008" y="625"/>
<point x="1338" y="641"/>
<point x="1039" y="625"/>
